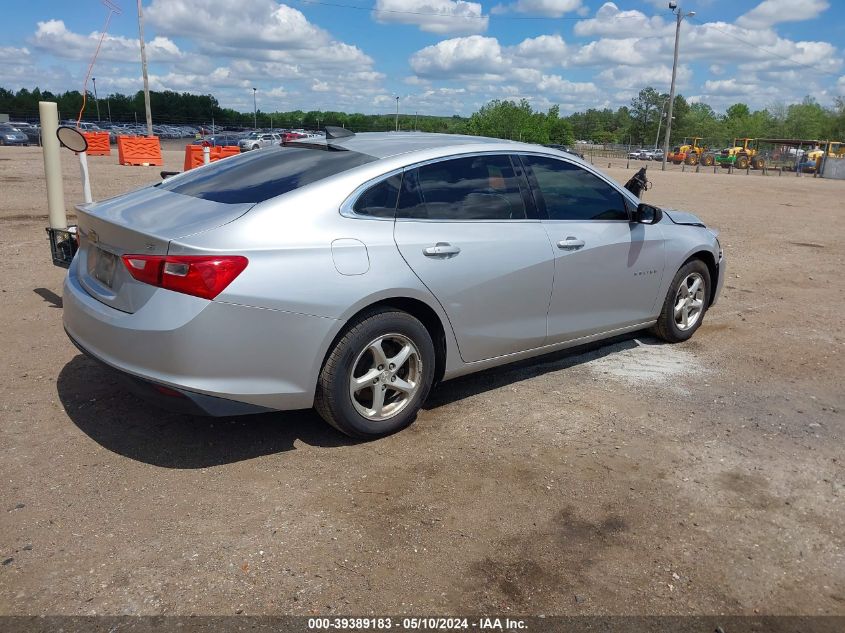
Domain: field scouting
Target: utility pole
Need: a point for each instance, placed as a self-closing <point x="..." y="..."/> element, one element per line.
<point x="254" y="110"/>
<point x="397" y="114"/>
<point x="659" y="121"/>
<point x="679" y="15"/>
<point x="96" y="100"/>
<point x="144" y="70"/>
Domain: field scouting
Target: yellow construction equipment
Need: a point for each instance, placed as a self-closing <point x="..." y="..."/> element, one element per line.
<point x="741" y="155"/>
<point x="691" y="154"/>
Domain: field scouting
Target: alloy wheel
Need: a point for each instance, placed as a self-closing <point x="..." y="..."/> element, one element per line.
<point x="689" y="301"/>
<point x="385" y="377"/>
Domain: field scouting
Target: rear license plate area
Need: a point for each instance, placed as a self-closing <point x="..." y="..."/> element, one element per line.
<point x="102" y="265"/>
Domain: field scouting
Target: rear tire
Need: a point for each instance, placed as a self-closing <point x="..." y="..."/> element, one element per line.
<point x="707" y="160"/>
<point x="742" y="162"/>
<point x="692" y="159"/>
<point x="360" y="391"/>
<point x="758" y="163"/>
<point x="686" y="303"/>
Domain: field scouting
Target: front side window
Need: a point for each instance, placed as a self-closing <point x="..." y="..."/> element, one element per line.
<point x="569" y="192"/>
<point x="470" y="188"/>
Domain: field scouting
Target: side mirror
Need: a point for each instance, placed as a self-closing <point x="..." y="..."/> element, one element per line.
<point x="647" y="214"/>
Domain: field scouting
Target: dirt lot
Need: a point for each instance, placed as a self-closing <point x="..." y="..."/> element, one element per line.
<point x="627" y="478"/>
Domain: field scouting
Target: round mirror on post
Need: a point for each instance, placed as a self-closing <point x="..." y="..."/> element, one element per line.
<point x="72" y="138"/>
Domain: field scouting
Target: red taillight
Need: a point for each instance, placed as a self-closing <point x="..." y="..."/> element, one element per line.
<point x="199" y="275"/>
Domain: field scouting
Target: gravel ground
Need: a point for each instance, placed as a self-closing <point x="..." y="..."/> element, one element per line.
<point x="626" y="478"/>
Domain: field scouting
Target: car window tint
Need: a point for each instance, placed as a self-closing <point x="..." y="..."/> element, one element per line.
<point x="379" y="201"/>
<point x="258" y="176"/>
<point x="471" y="188"/>
<point x="572" y="193"/>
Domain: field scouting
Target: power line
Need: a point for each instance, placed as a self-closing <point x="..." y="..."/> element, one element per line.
<point x="765" y="50"/>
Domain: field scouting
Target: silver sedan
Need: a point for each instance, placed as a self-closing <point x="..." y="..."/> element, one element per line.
<point x="352" y="273"/>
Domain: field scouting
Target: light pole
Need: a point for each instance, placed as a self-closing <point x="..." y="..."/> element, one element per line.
<point x="96" y="100"/>
<point x="254" y="110"/>
<point x="679" y="16"/>
<point x="397" y="114"/>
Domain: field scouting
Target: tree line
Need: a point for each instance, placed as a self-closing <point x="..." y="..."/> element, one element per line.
<point x="640" y="123"/>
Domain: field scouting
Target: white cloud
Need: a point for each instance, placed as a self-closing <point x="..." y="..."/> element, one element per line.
<point x="53" y="37"/>
<point x="545" y="50"/>
<point x="632" y="78"/>
<point x="550" y="8"/>
<point x="611" y="22"/>
<point x="462" y="56"/>
<point x="453" y="16"/>
<point x="256" y="24"/>
<point x="489" y="70"/>
<point x="771" y="12"/>
<point x="629" y="51"/>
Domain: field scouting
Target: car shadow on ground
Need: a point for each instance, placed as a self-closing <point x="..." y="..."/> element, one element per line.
<point x="97" y="401"/>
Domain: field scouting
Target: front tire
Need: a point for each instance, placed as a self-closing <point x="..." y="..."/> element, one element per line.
<point x="685" y="303"/>
<point x="707" y="160"/>
<point x="377" y="375"/>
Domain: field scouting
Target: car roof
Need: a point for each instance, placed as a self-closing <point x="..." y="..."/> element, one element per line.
<point x="387" y="144"/>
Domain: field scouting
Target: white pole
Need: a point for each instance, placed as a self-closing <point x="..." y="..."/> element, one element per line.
<point x="86" y="182"/>
<point x="206" y="155"/>
<point x="49" y="113"/>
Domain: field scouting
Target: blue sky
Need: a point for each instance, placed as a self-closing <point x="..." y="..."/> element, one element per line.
<point x="439" y="56"/>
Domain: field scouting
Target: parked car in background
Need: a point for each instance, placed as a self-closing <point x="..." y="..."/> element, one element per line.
<point x="292" y="136"/>
<point x="353" y="280"/>
<point x="223" y="140"/>
<point x="12" y="136"/>
<point x="257" y="140"/>
<point x="32" y="131"/>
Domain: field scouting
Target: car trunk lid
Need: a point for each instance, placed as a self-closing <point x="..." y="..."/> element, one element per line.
<point x="141" y="222"/>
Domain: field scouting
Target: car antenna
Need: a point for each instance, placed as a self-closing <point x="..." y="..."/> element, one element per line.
<point x="333" y="131"/>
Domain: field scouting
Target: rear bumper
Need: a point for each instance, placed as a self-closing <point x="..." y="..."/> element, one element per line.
<point x="173" y="399"/>
<point x="252" y="356"/>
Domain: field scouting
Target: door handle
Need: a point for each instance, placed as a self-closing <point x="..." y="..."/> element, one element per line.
<point x="441" y="249"/>
<point x="570" y="244"/>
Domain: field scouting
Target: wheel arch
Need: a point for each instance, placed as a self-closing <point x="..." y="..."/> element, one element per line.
<point x="712" y="267"/>
<point x="417" y="308"/>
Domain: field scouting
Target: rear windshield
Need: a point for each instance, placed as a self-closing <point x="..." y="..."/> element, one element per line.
<point x="263" y="174"/>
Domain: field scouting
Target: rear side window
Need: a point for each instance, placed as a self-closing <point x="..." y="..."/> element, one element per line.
<point x="257" y="176"/>
<point x="379" y="201"/>
<point x="572" y="193"/>
<point x="470" y="188"/>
